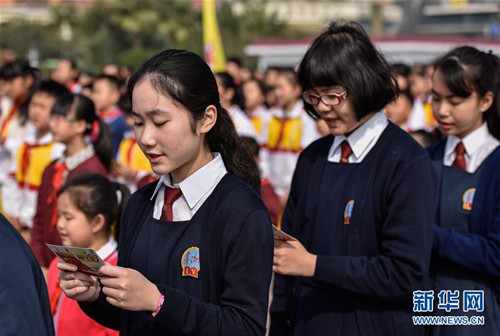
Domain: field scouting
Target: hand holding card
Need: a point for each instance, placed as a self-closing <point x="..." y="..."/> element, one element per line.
<point x="281" y="235"/>
<point x="85" y="259"/>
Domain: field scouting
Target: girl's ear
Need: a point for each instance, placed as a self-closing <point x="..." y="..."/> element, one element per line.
<point x="81" y="126"/>
<point x="98" y="223"/>
<point x="486" y="101"/>
<point x="208" y="121"/>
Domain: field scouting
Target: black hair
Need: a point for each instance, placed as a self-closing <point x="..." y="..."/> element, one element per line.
<point x="188" y="80"/>
<point x="344" y="55"/>
<point x="406" y="94"/>
<point x="236" y="60"/>
<point x="21" y="68"/>
<point x="114" y="82"/>
<point x="125" y="105"/>
<point x="466" y="70"/>
<point x="228" y="83"/>
<point x="251" y="145"/>
<point x="51" y="88"/>
<point x="401" y="69"/>
<point x="94" y="194"/>
<point x="262" y="86"/>
<point x="84" y="109"/>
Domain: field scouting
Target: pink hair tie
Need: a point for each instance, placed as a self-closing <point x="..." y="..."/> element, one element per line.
<point x="96" y="130"/>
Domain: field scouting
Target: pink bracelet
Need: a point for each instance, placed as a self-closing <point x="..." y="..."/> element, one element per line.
<point x="160" y="304"/>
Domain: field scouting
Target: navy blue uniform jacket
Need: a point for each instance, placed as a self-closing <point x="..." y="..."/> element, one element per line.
<point x="237" y="252"/>
<point x="24" y="301"/>
<point x="387" y="256"/>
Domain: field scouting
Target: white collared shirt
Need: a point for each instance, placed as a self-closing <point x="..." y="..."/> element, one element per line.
<point x="479" y="144"/>
<point x="107" y="249"/>
<point x="361" y="140"/>
<point x="195" y="189"/>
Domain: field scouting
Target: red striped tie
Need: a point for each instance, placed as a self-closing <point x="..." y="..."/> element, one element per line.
<point x="171" y="195"/>
<point x="460" y="158"/>
<point x="346" y="151"/>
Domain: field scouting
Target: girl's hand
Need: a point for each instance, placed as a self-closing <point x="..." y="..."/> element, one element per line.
<point x="77" y="285"/>
<point x="127" y="172"/>
<point x="128" y="289"/>
<point x="291" y="258"/>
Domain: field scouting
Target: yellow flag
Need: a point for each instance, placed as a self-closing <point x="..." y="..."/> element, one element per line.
<point x="212" y="44"/>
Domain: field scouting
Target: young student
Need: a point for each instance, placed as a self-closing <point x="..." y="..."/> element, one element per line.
<point x="466" y="248"/>
<point x="19" y="81"/>
<point x="361" y="205"/>
<point x="399" y="110"/>
<point x="67" y="74"/>
<point x="288" y="131"/>
<point x="88" y="206"/>
<point x="35" y="153"/>
<point x="269" y="197"/>
<point x="254" y="93"/>
<point x="231" y="101"/>
<point x="217" y="230"/>
<point x="420" y="88"/>
<point x="106" y="94"/>
<point x="132" y="166"/>
<point x="75" y="124"/>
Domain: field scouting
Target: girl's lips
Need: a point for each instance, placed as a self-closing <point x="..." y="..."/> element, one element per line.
<point x="444" y="126"/>
<point x="154" y="158"/>
<point x="332" y="122"/>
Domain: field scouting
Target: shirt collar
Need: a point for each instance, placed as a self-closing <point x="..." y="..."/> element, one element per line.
<point x="107" y="249"/>
<point x="76" y="159"/>
<point x="364" y="135"/>
<point x="195" y="186"/>
<point x="472" y="142"/>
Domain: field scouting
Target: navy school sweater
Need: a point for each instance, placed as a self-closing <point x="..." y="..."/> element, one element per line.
<point x="236" y="253"/>
<point x="388" y="251"/>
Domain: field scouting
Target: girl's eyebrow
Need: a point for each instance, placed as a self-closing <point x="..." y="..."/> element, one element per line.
<point x="151" y="113"/>
<point x="438" y="94"/>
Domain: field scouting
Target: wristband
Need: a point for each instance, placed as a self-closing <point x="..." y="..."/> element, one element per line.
<point x="160" y="304"/>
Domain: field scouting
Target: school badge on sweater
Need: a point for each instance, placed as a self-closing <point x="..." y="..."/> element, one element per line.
<point x="348" y="212"/>
<point x="468" y="198"/>
<point x="190" y="262"/>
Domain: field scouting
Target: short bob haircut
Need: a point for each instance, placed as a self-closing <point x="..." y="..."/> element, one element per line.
<point x="343" y="55"/>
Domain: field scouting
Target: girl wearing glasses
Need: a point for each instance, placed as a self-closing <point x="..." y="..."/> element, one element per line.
<point x="75" y="124"/>
<point x="361" y="205"/>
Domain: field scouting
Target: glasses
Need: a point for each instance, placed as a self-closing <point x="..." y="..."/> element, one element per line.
<point x="329" y="99"/>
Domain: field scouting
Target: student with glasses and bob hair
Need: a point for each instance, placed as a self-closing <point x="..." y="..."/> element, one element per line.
<point x="361" y="205"/>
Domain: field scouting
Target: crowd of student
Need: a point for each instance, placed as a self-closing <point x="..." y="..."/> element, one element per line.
<point x="328" y="149"/>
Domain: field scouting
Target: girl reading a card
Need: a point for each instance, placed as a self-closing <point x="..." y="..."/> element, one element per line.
<point x="196" y="246"/>
<point x="362" y="202"/>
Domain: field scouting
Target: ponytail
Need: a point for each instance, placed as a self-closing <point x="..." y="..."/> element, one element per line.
<point x="224" y="139"/>
<point x="493" y="116"/>
<point x="122" y="200"/>
<point x="101" y="140"/>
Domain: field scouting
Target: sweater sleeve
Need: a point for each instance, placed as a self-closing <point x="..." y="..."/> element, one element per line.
<point x="244" y="297"/>
<point x="404" y="241"/>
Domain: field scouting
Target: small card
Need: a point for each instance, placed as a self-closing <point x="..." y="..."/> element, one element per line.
<point x="85" y="259"/>
<point x="280" y="235"/>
